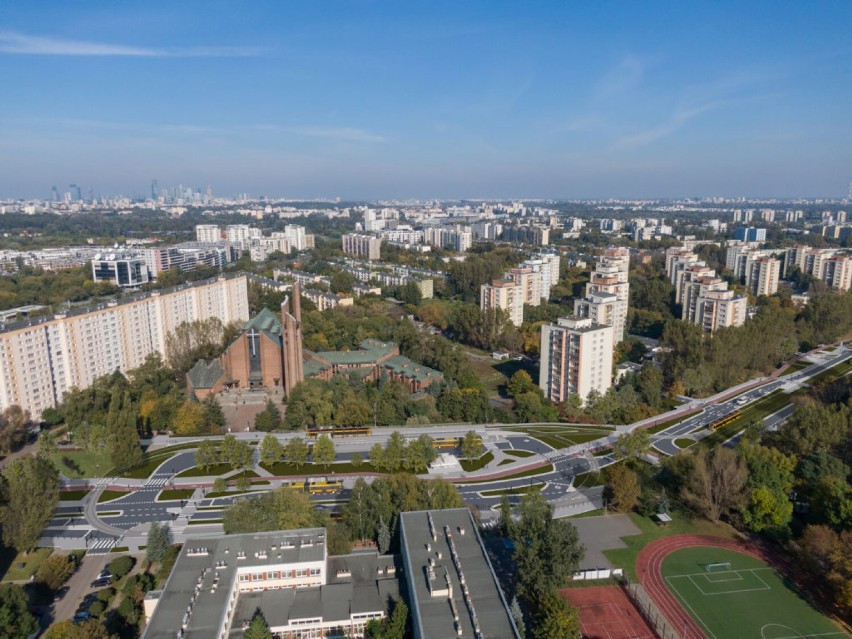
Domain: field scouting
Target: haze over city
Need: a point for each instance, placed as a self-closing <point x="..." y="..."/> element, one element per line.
<point x="442" y="99"/>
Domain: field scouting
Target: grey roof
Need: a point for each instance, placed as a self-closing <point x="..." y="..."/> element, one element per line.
<point x="222" y="557"/>
<point x="366" y="590"/>
<point x="205" y="374"/>
<point x="433" y="617"/>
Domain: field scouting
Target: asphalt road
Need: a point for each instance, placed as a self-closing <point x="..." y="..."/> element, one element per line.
<point x="664" y="440"/>
<point x="141" y="507"/>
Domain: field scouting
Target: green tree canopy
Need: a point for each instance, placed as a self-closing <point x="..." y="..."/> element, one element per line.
<point x="30" y="492"/>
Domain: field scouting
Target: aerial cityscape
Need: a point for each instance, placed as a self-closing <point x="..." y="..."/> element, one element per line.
<point x="376" y="320"/>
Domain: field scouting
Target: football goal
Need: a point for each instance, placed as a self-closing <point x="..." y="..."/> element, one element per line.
<point x="722" y="566"/>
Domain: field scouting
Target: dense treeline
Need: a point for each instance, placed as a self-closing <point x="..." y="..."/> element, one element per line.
<point x="698" y="364"/>
<point x="51" y="288"/>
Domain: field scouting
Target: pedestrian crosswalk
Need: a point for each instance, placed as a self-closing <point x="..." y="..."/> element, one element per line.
<point x="155" y="482"/>
<point x="101" y="545"/>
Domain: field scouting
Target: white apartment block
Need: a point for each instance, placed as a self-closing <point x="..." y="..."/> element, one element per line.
<point x="207" y="233"/>
<point x="359" y="245"/>
<point x="576" y="358"/>
<point x="241" y="234"/>
<point x="506" y="295"/>
<point x="601" y="308"/>
<point x="262" y="247"/>
<point x="763" y="276"/>
<point x="838" y="273"/>
<point x="459" y="239"/>
<point x="610" y="276"/>
<point x="547" y="264"/>
<point x="299" y="239"/>
<point x="325" y="300"/>
<point x="42" y="358"/>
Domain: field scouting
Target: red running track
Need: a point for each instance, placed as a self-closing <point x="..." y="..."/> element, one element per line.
<point x="649" y="566"/>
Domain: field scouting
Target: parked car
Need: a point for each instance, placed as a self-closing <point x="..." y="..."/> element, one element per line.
<point x="101" y="582"/>
<point x="81" y="616"/>
<point x="59" y="594"/>
<point x="104" y="574"/>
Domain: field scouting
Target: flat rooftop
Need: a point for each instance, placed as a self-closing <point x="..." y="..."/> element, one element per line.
<point x="433" y="616"/>
<point x="212" y="564"/>
<point x="357" y="583"/>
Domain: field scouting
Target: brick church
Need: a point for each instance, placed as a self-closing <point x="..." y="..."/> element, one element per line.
<point x="268" y="354"/>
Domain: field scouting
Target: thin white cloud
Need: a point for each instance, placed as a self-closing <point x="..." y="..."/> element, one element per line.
<point x="626" y="75"/>
<point x="337" y="133"/>
<point x="677" y="120"/>
<point x="23" y="44"/>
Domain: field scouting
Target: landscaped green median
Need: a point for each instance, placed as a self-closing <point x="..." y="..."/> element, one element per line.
<point x="754" y="413"/>
<point x="530" y="472"/>
<point x="653" y="430"/>
<point x="472" y="465"/>
<point x="109" y="495"/>
<point x="563" y="436"/>
<point x="520" y="490"/>
<point x="177" y="494"/>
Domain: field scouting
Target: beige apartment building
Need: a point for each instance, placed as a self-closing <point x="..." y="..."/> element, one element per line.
<point x="504" y="294"/>
<point x="610" y="277"/>
<point x="576" y="358"/>
<point x="530" y="283"/>
<point x="41" y="358"/>
<point x="763" y="276"/>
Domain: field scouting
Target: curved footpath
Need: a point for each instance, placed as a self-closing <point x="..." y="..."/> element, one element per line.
<point x="649" y="565"/>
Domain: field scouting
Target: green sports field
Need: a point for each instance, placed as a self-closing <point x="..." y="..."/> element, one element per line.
<point x="747" y="601"/>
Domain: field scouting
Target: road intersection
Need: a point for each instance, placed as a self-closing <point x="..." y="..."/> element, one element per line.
<point x="110" y="520"/>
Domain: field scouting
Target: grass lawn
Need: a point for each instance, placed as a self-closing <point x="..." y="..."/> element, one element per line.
<point x="109" y="495"/>
<point x="661" y="427"/>
<point x="471" y="465"/>
<point x="506" y="462"/>
<point x="81" y="463"/>
<point x="286" y="469"/>
<point x="748" y="600"/>
<point x="681" y="524"/>
<point x="515" y="452"/>
<point x="72" y="495"/>
<point x="30" y="561"/>
<point x="592" y="513"/>
<point x="176" y="494"/>
<point x="684" y="442"/>
<point x="795" y="367"/>
<point x="521" y="490"/>
<point x="531" y="472"/>
<point x="211" y="471"/>
<point x="588" y="479"/>
<point x="153" y="459"/>
<point x="246" y="473"/>
<point x="564" y="436"/>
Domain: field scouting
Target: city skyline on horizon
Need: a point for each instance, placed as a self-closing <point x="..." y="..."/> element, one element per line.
<point x="378" y="101"/>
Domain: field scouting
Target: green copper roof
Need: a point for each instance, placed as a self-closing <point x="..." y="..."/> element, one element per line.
<point x="401" y="365"/>
<point x="265" y="322"/>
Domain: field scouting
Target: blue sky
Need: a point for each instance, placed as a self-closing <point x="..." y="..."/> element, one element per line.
<point x="428" y="99"/>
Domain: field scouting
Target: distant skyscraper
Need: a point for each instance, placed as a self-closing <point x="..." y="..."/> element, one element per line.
<point x="55" y="194"/>
<point x="155" y="190"/>
<point x="76" y="195"/>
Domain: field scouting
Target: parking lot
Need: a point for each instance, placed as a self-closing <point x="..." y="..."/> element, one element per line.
<point x="80" y="585"/>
